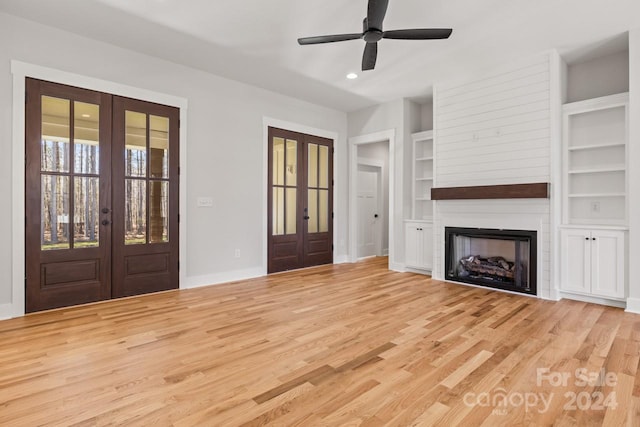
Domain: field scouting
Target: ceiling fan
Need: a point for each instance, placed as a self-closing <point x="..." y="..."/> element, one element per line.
<point x="372" y="33"/>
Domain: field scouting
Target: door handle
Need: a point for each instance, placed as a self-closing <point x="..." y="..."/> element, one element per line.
<point x="106" y="222"/>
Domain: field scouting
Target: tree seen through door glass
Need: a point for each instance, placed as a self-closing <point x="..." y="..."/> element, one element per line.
<point x="135" y="212"/>
<point x="159" y="146"/>
<point x="159" y="212"/>
<point x="135" y="156"/>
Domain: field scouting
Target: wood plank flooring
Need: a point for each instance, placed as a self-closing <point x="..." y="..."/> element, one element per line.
<point x="351" y="344"/>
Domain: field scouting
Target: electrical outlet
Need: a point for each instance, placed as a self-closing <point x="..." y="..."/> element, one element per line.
<point x="237" y="253"/>
<point x="595" y="207"/>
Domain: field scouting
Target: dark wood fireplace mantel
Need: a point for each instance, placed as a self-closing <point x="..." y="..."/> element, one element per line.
<point x="479" y="192"/>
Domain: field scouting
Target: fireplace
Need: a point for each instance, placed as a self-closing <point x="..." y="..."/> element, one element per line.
<point x="502" y="259"/>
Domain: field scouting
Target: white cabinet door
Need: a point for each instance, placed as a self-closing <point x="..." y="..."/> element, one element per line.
<point x="607" y="263"/>
<point x="427" y="247"/>
<point x="576" y="260"/>
<point x="411" y="245"/>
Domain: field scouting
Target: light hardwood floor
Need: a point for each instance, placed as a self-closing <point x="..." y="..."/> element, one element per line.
<point x="351" y="344"/>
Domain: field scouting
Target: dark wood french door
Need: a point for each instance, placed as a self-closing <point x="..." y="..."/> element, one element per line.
<point x="300" y="207"/>
<point x="101" y="198"/>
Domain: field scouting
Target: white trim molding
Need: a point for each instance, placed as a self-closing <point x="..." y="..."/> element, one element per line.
<point x="21" y="71"/>
<point x="633" y="305"/>
<point x="221" y="278"/>
<point x="268" y="122"/>
<point x="354" y="142"/>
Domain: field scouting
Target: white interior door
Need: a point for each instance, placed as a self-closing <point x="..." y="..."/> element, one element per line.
<point x="369" y="232"/>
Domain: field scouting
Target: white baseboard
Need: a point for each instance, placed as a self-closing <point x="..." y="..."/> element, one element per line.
<point x="228" y="276"/>
<point x="593" y="300"/>
<point x="633" y="305"/>
<point x="6" y="311"/>
<point x="396" y="266"/>
<point x="385" y="252"/>
<point x="341" y="259"/>
<point x="417" y="271"/>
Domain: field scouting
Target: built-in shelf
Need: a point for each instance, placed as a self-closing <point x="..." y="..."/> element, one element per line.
<point x="598" y="195"/>
<point x="597" y="170"/>
<point x="595" y="136"/>
<point x="423" y="178"/>
<point x="594" y="146"/>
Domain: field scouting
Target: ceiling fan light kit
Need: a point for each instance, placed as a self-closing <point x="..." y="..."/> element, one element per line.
<point x="372" y="33"/>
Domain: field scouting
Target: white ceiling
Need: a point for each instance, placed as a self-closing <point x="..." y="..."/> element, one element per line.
<point x="255" y="40"/>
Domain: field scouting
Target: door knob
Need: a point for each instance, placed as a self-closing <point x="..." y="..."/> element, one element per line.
<point x="305" y="217"/>
<point x="105" y="222"/>
<point x="375" y="216"/>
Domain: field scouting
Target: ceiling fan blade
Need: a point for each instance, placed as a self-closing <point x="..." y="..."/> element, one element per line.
<point x="376" y="11"/>
<point x="418" y="34"/>
<point x="370" y="56"/>
<point x="329" y="39"/>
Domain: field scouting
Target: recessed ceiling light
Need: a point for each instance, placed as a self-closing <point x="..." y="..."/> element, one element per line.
<point x="86" y="116"/>
<point x="352" y="76"/>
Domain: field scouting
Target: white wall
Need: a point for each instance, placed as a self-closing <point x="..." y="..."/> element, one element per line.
<point x="496" y="129"/>
<point x="380" y="151"/>
<point x="426" y="115"/>
<point x="224" y="147"/>
<point x="633" y="303"/>
<point x="602" y="76"/>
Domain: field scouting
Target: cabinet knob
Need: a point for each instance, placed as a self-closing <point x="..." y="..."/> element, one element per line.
<point x="586" y="238"/>
<point x="593" y="238"/>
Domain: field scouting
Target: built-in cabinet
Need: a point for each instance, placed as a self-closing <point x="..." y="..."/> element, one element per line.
<point x="593" y="262"/>
<point x="595" y="197"/>
<point x="419" y="245"/>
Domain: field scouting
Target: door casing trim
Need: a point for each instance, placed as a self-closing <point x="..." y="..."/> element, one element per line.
<point x="22" y="70"/>
<point x="268" y="122"/>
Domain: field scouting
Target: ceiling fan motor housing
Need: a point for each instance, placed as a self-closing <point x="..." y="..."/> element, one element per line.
<point x="372" y="36"/>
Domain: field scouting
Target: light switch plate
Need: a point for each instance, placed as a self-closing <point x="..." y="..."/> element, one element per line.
<point x="205" y="202"/>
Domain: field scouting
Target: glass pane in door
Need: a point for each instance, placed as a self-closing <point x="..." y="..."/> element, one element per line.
<point x="291" y="200"/>
<point x="323" y="211"/>
<point x="86" y="146"/>
<point x="278" y="211"/>
<point x="135" y="212"/>
<point x="135" y="155"/>
<point x="292" y="163"/>
<point x="86" y="212"/>
<point x="278" y="161"/>
<point x="159" y="146"/>
<point x="312" y="211"/>
<point x="54" y="146"/>
<point x="54" y="213"/>
<point x="158" y="211"/>
<point x="312" y="180"/>
<point x="323" y="167"/>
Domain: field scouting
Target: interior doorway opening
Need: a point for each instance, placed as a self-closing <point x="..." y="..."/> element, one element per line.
<point x="372" y="188"/>
<point x="394" y="211"/>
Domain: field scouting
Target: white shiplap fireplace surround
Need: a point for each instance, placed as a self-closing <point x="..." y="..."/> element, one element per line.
<point x="496" y="130"/>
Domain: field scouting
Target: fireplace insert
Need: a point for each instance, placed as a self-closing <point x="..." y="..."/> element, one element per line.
<point x="502" y="259"/>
